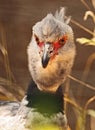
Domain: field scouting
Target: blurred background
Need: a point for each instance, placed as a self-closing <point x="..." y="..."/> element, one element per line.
<point x="16" y="20"/>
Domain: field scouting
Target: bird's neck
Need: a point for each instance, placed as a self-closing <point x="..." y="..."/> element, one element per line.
<point x="45" y="102"/>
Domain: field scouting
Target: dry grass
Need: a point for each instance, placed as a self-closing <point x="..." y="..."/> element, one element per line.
<point x="82" y="112"/>
<point x="8" y="86"/>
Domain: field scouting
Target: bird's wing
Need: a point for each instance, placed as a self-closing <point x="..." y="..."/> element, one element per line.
<point x="11" y="116"/>
<point x="8" y="108"/>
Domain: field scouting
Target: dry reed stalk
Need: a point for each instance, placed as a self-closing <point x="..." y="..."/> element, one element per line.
<point x="82" y="83"/>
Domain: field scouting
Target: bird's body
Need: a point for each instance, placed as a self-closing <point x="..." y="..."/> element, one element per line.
<point x="51" y="54"/>
<point x="38" y="110"/>
<point x="12" y="115"/>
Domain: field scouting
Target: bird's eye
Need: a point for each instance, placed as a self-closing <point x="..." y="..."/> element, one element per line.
<point x="40" y="44"/>
<point x="63" y="40"/>
<point x="37" y="39"/>
<point x="60" y="43"/>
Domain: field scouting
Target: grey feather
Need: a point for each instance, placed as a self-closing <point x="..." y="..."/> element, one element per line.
<point x="60" y="15"/>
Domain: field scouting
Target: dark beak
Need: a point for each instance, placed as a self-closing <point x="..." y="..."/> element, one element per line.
<point x="45" y="61"/>
<point x="46" y="55"/>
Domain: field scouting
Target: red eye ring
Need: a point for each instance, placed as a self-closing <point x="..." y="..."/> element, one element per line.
<point x="36" y="38"/>
<point x="60" y="43"/>
<point x="63" y="39"/>
<point x="40" y="44"/>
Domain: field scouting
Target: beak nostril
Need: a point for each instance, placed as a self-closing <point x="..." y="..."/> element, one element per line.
<point x="51" y="52"/>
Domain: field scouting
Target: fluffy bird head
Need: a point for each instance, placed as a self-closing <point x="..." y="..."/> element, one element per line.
<point x="51" y="51"/>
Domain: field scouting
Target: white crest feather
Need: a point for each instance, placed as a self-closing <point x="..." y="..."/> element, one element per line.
<point x="60" y="15"/>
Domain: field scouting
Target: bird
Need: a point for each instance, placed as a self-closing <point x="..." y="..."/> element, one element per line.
<point x="51" y="54"/>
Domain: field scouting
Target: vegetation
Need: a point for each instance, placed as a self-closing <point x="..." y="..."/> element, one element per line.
<point x="82" y="112"/>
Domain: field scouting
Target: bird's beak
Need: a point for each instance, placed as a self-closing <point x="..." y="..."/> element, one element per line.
<point x="46" y="55"/>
